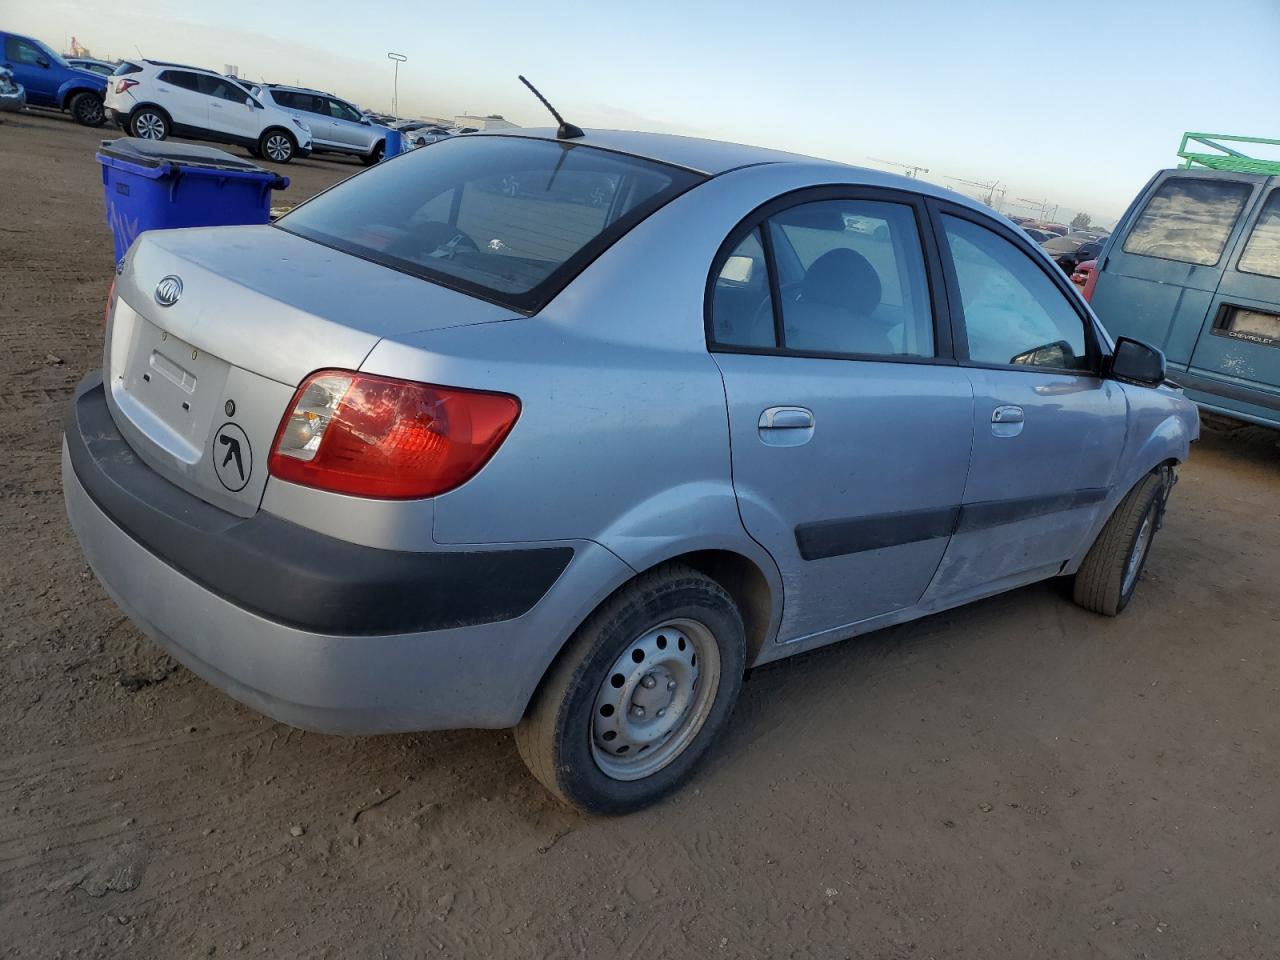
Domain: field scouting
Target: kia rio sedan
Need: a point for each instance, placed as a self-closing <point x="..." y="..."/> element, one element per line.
<point x="432" y="451"/>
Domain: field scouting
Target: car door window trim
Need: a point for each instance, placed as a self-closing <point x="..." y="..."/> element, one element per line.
<point x="929" y="251"/>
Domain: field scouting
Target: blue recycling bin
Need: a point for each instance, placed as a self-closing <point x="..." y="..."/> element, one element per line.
<point x="392" y="144"/>
<point x="156" y="185"/>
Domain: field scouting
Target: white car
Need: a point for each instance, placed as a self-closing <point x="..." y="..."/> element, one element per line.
<point x="155" y="100"/>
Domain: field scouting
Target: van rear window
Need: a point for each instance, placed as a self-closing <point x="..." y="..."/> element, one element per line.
<point x="1262" y="252"/>
<point x="508" y="219"/>
<point x="1188" y="220"/>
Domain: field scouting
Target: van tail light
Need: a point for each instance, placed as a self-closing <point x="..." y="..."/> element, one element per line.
<point x="373" y="436"/>
<point x="123" y="85"/>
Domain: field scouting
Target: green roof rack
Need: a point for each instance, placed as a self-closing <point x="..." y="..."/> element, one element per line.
<point x="1226" y="158"/>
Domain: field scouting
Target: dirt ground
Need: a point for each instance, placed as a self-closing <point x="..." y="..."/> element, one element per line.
<point x="1017" y="779"/>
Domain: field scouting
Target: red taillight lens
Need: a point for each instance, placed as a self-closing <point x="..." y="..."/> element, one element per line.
<point x="111" y="299"/>
<point x="123" y="85"/>
<point x="379" y="437"/>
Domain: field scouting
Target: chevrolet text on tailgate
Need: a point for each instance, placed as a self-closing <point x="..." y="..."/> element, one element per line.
<point x="565" y="434"/>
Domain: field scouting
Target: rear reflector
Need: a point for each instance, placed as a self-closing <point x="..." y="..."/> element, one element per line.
<point x="395" y="439"/>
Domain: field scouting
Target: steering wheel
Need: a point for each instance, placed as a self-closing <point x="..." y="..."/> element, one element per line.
<point x="433" y="240"/>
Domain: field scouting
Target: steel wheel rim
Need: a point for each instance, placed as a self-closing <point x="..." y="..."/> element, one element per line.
<point x="655" y="699"/>
<point x="278" y="147"/>
<point x="150" y="127"/>
<point x="1141" y="544"/>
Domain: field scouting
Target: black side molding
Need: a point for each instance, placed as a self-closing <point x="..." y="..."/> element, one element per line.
<point x="836" y="538"/>
<point x="1221" y="388"/>
<point x="290" y="574"/>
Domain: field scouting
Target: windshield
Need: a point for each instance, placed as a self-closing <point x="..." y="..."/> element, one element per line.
<point x="509" y="219"/>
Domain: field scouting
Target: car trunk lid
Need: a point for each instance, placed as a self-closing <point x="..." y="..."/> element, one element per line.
<point x="198" y="385"/>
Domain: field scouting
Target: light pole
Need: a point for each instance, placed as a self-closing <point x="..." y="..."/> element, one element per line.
<point x="399" y="58"/>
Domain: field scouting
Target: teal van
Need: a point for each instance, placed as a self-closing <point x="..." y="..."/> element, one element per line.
<point x="1193" y="268"/>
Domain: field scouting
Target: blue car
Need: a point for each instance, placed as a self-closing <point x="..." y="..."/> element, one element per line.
<point x="52" y="82"/>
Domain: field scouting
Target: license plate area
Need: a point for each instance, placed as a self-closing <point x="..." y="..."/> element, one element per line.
<point x="1251" y="326"/>
<point x="168" y="388"/>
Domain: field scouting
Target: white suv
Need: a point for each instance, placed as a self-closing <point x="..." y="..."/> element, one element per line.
<point x="155" y="100"/>
<point x="336" y="125"/>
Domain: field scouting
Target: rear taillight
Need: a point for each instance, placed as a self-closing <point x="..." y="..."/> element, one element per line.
<point x="111" y="299"/>
<point x="123" y="85"/>
<point x="378" y="437"/>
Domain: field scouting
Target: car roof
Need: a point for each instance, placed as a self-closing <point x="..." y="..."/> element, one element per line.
<point x="714" y="157"/>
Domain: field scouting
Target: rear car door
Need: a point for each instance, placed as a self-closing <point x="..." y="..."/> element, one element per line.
<point x="178" y="91"/>
<point x="850" y="423"/>
<point x="1239" y="349"/>
<point x="231" y="110"/>
<point x="32" y="68"/>
<point x="1048" y="428"/>
<point x="345" y="127"/>
<point x="1158" y="277"/>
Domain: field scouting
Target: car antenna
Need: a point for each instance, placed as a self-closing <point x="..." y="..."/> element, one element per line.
<point x="567" y="131"/>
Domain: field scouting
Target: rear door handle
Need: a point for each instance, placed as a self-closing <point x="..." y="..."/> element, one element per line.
<point x="786" y="418"/>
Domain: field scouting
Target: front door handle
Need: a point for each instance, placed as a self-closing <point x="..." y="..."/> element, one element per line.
<point x="1009" y="413"/>
<point x="786" y="418"/>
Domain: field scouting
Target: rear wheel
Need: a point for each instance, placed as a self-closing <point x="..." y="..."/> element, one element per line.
<point x="149" y="124"/>
<point x="277" y="145"/>
<point x="374" y="155"/>
<point x="643" y="689"/>
<point x="86" y="109"/>
<point x="1109" y="575"/>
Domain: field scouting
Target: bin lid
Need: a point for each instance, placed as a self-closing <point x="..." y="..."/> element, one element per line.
<point x="157" y="154"/>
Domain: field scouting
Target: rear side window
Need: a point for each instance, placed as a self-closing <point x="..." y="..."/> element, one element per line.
<point x="1188" y="220"/>
<point x="852" y="279"/>
<point x="181" y="78"/>
<point x="1262" y="252"/>
<point x="509" y="219"/>
<point x="742" y="305"/>
<point x="1013" y="313"/>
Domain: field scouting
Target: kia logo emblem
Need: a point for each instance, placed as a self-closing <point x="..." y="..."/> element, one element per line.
<point x="168" y="291"/>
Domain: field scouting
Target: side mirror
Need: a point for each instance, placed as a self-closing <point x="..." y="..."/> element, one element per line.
<point x="1137" y="362"/>
<point x="42" y="62"/>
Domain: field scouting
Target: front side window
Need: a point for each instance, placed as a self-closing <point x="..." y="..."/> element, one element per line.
<point x="852" y="279"/>
<point x="1188" y="220"/>
<point x="1013" y="313"/>
<point x="342" y="111"/>
<point x="742" y="305"/>
<point x="510" y="219"/>
<point x="19" y="51"/>
<point x="1262" y="252"/>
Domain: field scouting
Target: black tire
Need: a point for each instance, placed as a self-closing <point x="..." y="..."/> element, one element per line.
<point x="277" y="145"/>
<point x="86" y="109"/>
<point x="1103" y="583"/>
<point x="374" y="155"/>
<point x="150" y="123"/>
<point x="556" y="738"/>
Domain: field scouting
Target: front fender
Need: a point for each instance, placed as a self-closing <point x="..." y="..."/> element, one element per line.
<point x="71" y="87"/>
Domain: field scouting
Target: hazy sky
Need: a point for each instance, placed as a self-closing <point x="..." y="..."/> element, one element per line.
<point x="1075" y="102"/>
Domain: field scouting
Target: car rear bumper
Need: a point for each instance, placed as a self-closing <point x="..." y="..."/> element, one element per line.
<point x="185" y="573"/>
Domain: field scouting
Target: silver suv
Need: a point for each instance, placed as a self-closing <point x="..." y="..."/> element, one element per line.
<point x="480" y="449"/>
<point x="336" y="125"/>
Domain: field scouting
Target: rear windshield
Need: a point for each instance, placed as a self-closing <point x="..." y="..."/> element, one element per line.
<point x="508" y="219"/>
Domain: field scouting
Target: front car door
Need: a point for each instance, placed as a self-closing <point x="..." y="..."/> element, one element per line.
<point x="33" y="68"/>
<point x="1048" y="428"/>
<point x="347" y="130"/>
<point x="850" y="423"/>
